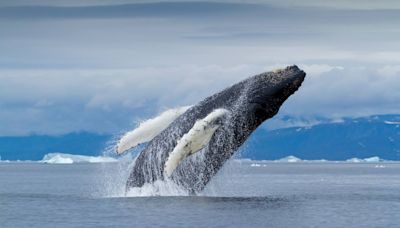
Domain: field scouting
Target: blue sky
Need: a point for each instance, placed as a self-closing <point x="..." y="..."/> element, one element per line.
<point x="102" y="66"/>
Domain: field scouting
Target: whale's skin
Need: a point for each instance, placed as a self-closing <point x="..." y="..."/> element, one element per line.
<point x="249" y="102"/>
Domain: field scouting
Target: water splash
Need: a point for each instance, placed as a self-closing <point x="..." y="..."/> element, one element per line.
<point x="157" y="188"/>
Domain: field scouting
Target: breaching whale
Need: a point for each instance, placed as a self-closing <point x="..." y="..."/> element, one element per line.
<point x="194" y="142"/>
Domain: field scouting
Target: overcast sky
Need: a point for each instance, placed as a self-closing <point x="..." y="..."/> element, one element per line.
<point x="103" y="65"/>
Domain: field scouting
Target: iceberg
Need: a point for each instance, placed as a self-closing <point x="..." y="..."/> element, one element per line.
<point x="371" y="159"/>
<point x="255" y="165"/>
<point x="392" y="123"/>
<point x="354" y="160"/>
<point x="289" y="159"/>
<point x="4" y="161"/>
<point x="61" y="158"/>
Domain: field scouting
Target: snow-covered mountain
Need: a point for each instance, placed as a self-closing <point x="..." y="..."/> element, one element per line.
<point x="310" y="139"/>
<point x="332" y="140"/>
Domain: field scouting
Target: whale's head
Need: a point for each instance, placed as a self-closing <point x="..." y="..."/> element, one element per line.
<point x="265" y="93"/>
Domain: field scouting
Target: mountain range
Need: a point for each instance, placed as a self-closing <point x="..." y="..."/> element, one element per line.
<point x="338" y="140"/>
<point x="342" y="139"/>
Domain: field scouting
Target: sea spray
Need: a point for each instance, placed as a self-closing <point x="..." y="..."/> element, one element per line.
<point x="157" y="188"/>
<point x="111" y="180"/>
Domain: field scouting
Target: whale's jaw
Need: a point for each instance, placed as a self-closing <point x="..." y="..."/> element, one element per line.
<point x="249" y="103"/>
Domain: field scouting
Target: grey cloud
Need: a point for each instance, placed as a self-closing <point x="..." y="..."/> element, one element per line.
<point x="138" y="34"/>
<point x="60" y="101"/>
<point x="342" y="4"/>
<point x="98" y="66"/>
<point x="139" y="10"/>
<point x="349" y="91"/>
<point x="207" y="11"/>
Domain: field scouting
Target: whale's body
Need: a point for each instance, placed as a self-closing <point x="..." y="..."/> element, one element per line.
<point x="192" y="149"/>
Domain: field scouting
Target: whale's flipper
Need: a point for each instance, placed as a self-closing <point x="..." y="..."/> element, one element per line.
<point x="147" y="130"/>
<point x="196" y="139"/>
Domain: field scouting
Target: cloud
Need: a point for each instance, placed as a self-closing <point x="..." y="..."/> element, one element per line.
<point x="342" y="4"/>
<point x="99" y="65"/>
<point x="317" y="69"/>
<point x="390" y="70"/>
<point x="60" y="101"/>
<point x="136" y="10"/>
<point x="174" y="34"/>
<point x="350" y="91"/>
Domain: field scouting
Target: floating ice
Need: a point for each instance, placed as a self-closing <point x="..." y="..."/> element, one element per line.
<point x="289" y="159"/>
<point x="293" y="159"/>
<point x="61" y="158"/>
<point x="354" y="160"/>
<point x="4" y="161"/>
<point x="392" y="123"/>
<point x="371" y="159"/>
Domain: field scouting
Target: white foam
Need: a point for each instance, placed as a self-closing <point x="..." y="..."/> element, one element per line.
<point x="158" y="188"/>
<point x="148" y="129"/>
<point x="61" y="158"/>
<point x="193" y="141"/>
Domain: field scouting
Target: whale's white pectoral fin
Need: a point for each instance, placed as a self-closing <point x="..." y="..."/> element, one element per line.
<point x="148" y="129"/>
<point x="196" y="139"/>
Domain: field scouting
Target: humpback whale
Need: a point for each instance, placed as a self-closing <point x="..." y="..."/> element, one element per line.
<point x="194" y="142"/>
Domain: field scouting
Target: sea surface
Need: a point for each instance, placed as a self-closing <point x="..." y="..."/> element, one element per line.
<point x="243" y="194"/>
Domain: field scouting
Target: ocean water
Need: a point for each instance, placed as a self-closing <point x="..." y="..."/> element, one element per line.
<point x="243" y="194"/>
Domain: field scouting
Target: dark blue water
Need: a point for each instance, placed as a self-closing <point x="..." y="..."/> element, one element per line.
<point x="268" y="195"/>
